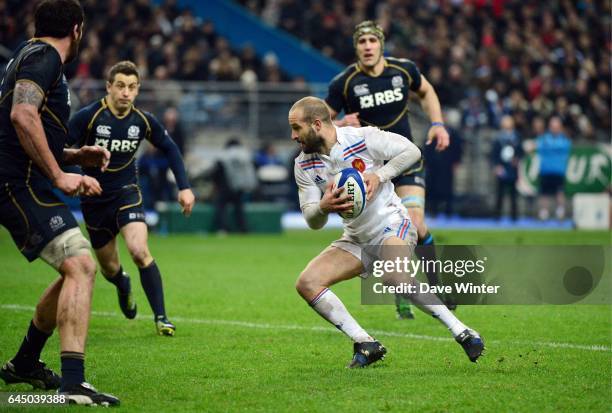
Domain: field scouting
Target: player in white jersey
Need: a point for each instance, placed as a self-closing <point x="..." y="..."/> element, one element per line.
<point x="326" y="150"/>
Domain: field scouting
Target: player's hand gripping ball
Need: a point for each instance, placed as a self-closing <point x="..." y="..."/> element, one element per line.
<point x="351" y="180"/>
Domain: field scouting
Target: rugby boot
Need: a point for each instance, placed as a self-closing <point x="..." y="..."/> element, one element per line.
<point x="40" y="377"/>
<point x="472" y="344"/>
<point x="85" y="394"/>
<point x="367" y="353"/>
<point x="164" y="326"/>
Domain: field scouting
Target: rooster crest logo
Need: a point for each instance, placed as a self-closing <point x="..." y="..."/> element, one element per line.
<point x="359" y="164"/>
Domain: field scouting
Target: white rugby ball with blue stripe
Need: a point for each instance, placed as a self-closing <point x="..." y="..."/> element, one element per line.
<point x="352" y="181"/>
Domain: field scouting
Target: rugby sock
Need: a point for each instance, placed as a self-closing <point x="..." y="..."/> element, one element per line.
<point x="30" y="349"/>
<point x="119" y="280"/>
<point x="426" y="250"/>
<point x="73" y="368"/>
<point x="151" y="281"/>
<point x="424" y="302"/>
<point x="329" y="306"/>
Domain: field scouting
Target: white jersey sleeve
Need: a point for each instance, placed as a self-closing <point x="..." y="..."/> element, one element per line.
<point x="396" y="149"/>
<point x="310" y="196"/>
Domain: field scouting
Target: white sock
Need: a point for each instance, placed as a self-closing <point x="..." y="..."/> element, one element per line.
<point x="329" y="306"/>
<point x="424" y="302"/>
<point x="445" y="316"/>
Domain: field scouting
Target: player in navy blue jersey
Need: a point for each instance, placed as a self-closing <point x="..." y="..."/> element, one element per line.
<point x="375" y="91"/>
<point x="34" y="110"/>
<point x="116" y="124"/>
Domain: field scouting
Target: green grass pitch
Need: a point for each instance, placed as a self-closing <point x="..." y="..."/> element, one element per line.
<point x="247" y="342"/>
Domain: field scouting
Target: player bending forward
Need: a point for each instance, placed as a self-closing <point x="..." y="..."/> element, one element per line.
<point x="326" y="150"/>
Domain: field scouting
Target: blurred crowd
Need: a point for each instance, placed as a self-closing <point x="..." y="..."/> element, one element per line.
<point x="532" y="70"/>
<point x="165" y="41"/>
<point x="490" y="57"/>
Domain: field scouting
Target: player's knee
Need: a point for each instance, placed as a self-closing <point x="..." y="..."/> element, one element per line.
<point x="421" y="228"/>
<point x="81" y="268"/>
<point x="412" y="202"/>
<point x="109" y="269"/>
<point x="141" y="256"/>
<point x="305" y="283"/>
<point x="418" y="220"/>
<point x="67" y="246"/>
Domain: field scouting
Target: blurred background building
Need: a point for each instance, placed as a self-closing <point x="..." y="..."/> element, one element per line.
<point x="219" y="69"/>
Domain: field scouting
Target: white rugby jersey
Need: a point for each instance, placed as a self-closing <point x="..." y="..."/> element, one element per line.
<point x="365" y="149"/>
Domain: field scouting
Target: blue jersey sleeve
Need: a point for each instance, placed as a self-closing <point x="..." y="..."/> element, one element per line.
<point x="415" y="74"/>
<point x="77" y="128"/>
<point x="42" y="67"/>
<point x="335" y="97"/>
<point x="162" y="140"/>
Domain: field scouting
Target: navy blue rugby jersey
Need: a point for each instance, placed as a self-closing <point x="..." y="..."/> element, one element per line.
<point x="96" y="124"/>
<point x="381" y="101"/>
<point x="39" y="63"/>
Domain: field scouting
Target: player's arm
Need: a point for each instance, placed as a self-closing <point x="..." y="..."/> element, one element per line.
<point x="87" y="156"/>
<point x="83" y="155"/>
<point x="25" y="117"/>
<point x="351" y="119"/>
<point x="162" y="141"/>
<point x="315" y="205"/>
<point x="397" y="150"/>
<point x="431" y="106"/>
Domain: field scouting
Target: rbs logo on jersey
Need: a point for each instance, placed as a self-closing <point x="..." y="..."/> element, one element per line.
<point x="381" y="98"/>
<point x="118" y="145"/>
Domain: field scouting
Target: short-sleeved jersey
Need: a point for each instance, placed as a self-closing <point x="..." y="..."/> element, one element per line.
<point x="39" y="63"/>
<point x="365" y="149"/>
<point x="96" y="124"/>
<point x="381" y="101"/>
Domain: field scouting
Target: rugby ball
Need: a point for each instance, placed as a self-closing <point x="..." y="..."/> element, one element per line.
<point x="352" y="181"/>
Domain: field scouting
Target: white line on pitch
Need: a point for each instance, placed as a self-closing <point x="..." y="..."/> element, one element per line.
<point x="266" y="326"/>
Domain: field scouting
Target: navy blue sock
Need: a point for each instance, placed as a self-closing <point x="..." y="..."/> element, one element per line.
<point x="427" y="250"/>
<point x="73" y="368"/>
<point x="151" y="281"/>
<point x="30" y="349"/>
<point x="119" y="280"/>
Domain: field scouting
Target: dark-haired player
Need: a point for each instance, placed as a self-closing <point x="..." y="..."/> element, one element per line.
<point x="374" y="91"/>
<point x="34" y="110"/>
<point x="115" y="124"/>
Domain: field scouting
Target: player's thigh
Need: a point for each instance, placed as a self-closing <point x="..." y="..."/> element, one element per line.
<point x="108" y="257"/>
<point x="131" y="218"/>
<point x="70" y="254"/>
<point x="100" y="221"/>
<point x="395" y="250"/>
<point x="37" y="220"/>
<point x="331" y="266"/>
<point x="136" y="236"/>
<point x="410" y="186"/>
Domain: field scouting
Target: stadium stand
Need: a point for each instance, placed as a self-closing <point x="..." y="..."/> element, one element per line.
<point x="525" y="58"/>
<point x="486" y="59"/>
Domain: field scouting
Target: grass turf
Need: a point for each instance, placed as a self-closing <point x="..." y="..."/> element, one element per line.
<point x="247" y="342"/>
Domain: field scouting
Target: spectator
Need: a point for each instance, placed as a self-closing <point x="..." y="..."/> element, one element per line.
<point x="505" y="156"/>
<point x="441" y="166"/>
<point x="153" y="174"/>
<point x="173" y="126"/>
<point x="267" y="156"/>
<point x="553" y="149"/>
<point x="234" y="177"/>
